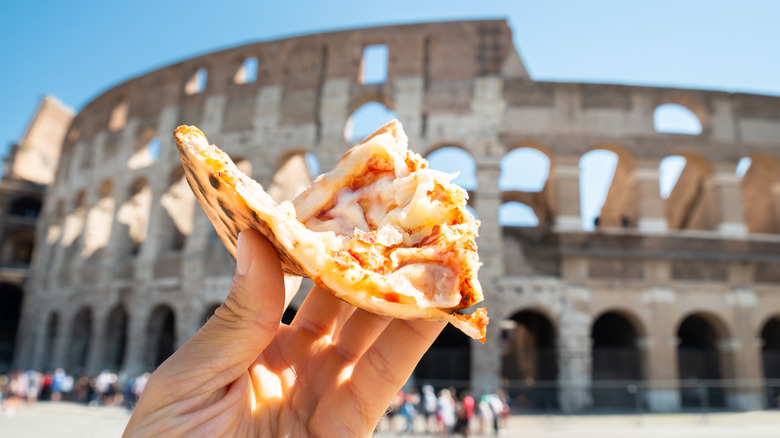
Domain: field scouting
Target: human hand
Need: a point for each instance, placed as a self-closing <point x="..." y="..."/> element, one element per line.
<point x="332" y="372"/>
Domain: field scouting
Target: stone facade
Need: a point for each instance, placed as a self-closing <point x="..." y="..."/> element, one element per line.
<point x="28" y="167"/>
<point x="663" y="292"/>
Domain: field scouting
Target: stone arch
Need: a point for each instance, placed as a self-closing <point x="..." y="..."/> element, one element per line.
<point x="133" y="216"/>
<point x="146" y="150"/>
<point x="692" y="203"/>
<point x="694" y="105"/>
<point x="80" y="340"/>
<point x="292" y="175"/>
<point x="530" y="359"/>
<point x="704" y="355"/>
<point x="10" y="314"/>
<point x="770" y="359"/>
<point x="178" y="203"/>
<point x="99" y="220"/>
<point x="453" y="157"/>
<point x="447" y="363"/>
<point x="761" y="194"/>
<point x="115" y="338"/>
<point x="367" y="114"/>
<point x="248" y="70"/>
<point x="118" y="116"/>
<point x="160" y="335"/>
<point x="620" y="206"/>
<point x="616" y="358"/>
<point x="525" y="194"/>
<point x="197" y="80"/>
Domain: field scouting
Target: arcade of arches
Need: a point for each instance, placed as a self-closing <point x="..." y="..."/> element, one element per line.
<point x="700" y="364"/>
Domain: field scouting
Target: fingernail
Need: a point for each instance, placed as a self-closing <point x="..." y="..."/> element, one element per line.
<point x="243" y="255"/>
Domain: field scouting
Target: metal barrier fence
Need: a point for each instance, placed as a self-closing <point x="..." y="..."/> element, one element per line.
<point x="631" y="396"/>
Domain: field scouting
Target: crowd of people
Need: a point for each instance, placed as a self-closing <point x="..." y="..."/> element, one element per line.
<point x="19" y="387"/>
<point x="446" y="412"/>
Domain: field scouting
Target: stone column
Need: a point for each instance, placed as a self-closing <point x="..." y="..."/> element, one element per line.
<point x="59" y="357"/>
<point x="652" y="218"/>
<point x="728" y="189"/>
<point x="659" y="369"/>
<point x="741" y="355"/>
<point x="574" y="362"/>
<point x="97" y="341"/>
<point x="659" y="352"/>
<point x="136" y="361"/>
<point x="566" y="174"/>
<point x="486" y="358"/>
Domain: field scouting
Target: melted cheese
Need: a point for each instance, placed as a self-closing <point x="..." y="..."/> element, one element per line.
<point x="399" y="211"/>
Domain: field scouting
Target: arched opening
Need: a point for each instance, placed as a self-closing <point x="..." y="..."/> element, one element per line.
<point x="523" y="181"/>
<point x="197" y="82"/>
<point x="50" y="336"/>
<point x="617" y="361"/>
<point x="118" y="117"/>
<point x="597" y="170"/>
<point x="669" y="173"/>
<point x="161" y="335"/>
<point x="17" y="247"/>
<point x="770" y="359"/>
<point x="447" y="363"/>
<point x="516" y="214"/>
<point x="691" y="203"/>
<point x="366" y="119"/>
<point x="247" y="72"/>
<point x="529" y="360"/>
<point x="451" y="159"/>
<point x="10" y="313"/>
<point x="80" y="337"/>
<point x="674" y="118"/>
<point x="760" y="183"/>
<point x="25" y="207"/>
<point x="147" y="149"/>
<point x="115" y="338"/>
<point x="99" y="220"/>
<point x="179" y="204"/>
<point x="133" y="217"/>
<point x="292" y="176"/>
<point x="699" y="363"/>
<point x="373" y="65"/>
<point x="525" y="169"/>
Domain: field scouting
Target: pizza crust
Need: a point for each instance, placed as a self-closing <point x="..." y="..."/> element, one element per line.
<point x="380" y="231"/>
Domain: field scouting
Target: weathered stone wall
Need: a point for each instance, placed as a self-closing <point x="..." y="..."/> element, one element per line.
<point x="120" y="233"/>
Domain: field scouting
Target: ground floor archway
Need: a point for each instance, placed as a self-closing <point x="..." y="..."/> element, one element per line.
<point x="530" y="361"/>
<point x="699" y="362"/>
<point x="617" y="368"/>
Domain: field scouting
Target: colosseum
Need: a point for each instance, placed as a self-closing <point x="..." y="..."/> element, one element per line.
<point x="666" y="301"/>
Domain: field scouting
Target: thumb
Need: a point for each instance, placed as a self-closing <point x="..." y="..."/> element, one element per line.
<point x="243" y="326"/>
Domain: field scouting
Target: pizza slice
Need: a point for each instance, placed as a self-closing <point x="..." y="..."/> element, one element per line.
<point x="381" y="231"/>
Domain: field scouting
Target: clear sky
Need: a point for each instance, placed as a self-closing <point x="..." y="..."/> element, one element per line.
<point x="75" y="50"/>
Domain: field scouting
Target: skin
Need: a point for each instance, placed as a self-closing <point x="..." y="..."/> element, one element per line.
<point x="332" y="372"/>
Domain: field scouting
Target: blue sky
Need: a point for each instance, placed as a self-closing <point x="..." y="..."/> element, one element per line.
<point x="76" y="50"/>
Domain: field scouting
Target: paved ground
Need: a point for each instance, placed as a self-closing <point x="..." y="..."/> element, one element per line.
<point x="67" y="420"/>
